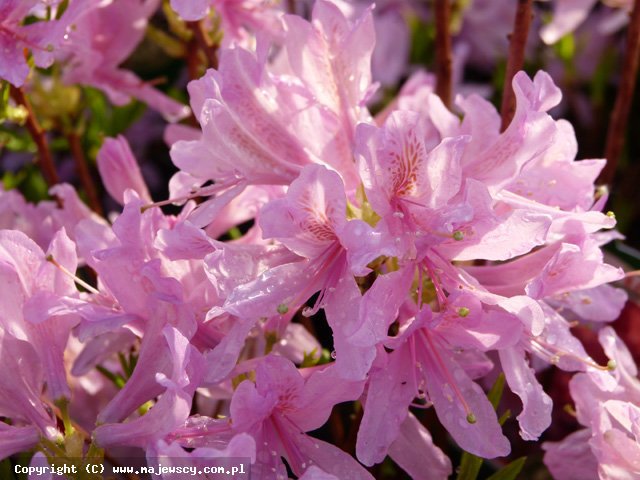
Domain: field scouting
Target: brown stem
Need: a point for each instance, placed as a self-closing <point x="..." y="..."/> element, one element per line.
<point x="620" y="114"/>
<point x="444" y="76"/>
<point x="515" y="61"/>
<point x="193" y="61"/>
<point x="204" y="42"/>
<point x="83" y="172"/>
<point x="45" y="159"/>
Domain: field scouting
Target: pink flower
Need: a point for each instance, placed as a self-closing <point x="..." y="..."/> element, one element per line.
<point x="119" y="170"/>
<point x="34" y="306"/>
<point x="610" y="415"/>
<point x="280" y="407"/>
<point x="40" y="39"/>
<point x="102" y="38"/>
<point x="261" y="126"/>
<point x="423" y="364"/>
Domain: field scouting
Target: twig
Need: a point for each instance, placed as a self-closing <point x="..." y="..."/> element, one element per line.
<point x="620" y="114"/>
<point x="45" y="159"/>
<point x="83" y="172"/>
<point x="193" y="61"/>
<point x="444" y="77"/>
<point x="204" y="42"/>
<point x="515" y="62"/>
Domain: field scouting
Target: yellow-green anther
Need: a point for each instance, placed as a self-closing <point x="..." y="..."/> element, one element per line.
<point x="282" y="309"/>
<point x="458" y="235"/>
<point x="612" y="365"/>
<point x="610" y="214"/>
<point x="463" y="312"/>
<point x="471" y="418"/>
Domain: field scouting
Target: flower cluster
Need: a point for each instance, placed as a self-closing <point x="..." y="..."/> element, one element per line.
<point x="440" y="250"/>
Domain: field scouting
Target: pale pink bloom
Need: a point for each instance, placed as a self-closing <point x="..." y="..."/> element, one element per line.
<point x="261" y="127"/>
<point x="120" y="171"/>
<point x="17" y="439"/>
<point x="611" y="417"/>
<point x="173" y="407"/>
<point x="20" y="396"/>
<point x="569" y="14"/>
<point x="102" y="38"/>
<point x="170" y="455"/>
<point x="33" y="302"/>
<point x="239" y="19"/>
<point x="40" y="38"/>
<point x="280" y="407"/>
<point x="571" y="458"/>
<point x="423" y="365"/>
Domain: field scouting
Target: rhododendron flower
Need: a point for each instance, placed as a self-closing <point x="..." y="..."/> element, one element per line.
<point x="337" y="275"/>
<point x="40" y="38"/>
<point x="102" y="39"/>
<point x="611" y="417"/>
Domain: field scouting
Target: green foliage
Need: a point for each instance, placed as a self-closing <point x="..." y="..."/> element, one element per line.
<point x="12" y="113"/>
<point x="495" y="394"/>
<point x="30" y="182"/>
<point x="469" y="467"/>
<point x="510" y="471"/>
<point x="6" y="469"/>
<point x="422" y="41"/>
<point x="565" y="48"/>
<point x="106" y="120"/>
<point x="313" y="358"/>
<point x="16" y="141"/>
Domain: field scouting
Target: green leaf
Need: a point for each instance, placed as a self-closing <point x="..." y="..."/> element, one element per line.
<point x="169" y="45"/>
<point x="422" y="41"/>
<point x="504" y="417"/>
<point x="469" y="467"/>
<point x="62" y="7"/>
<point x="495" y="394"/>
<point x="511" y="471"/>
<point x="6" y="470"/>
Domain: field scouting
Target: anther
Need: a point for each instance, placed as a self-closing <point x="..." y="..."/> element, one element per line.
<point x="282" y="309"/>
<point x="463" y="312"/>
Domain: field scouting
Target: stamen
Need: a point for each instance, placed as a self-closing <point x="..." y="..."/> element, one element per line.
<point x="471" y="418"/>
<point x="282" y="309"/>
<point x="169" y="201"/>
<point x="205" y="191"/>
<point x="555" y="354"/>
<point x="75" y="278"/>
<point x="440" y="295"/>
<point x="458" y="235"/>
<point x="463" y="312"/>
